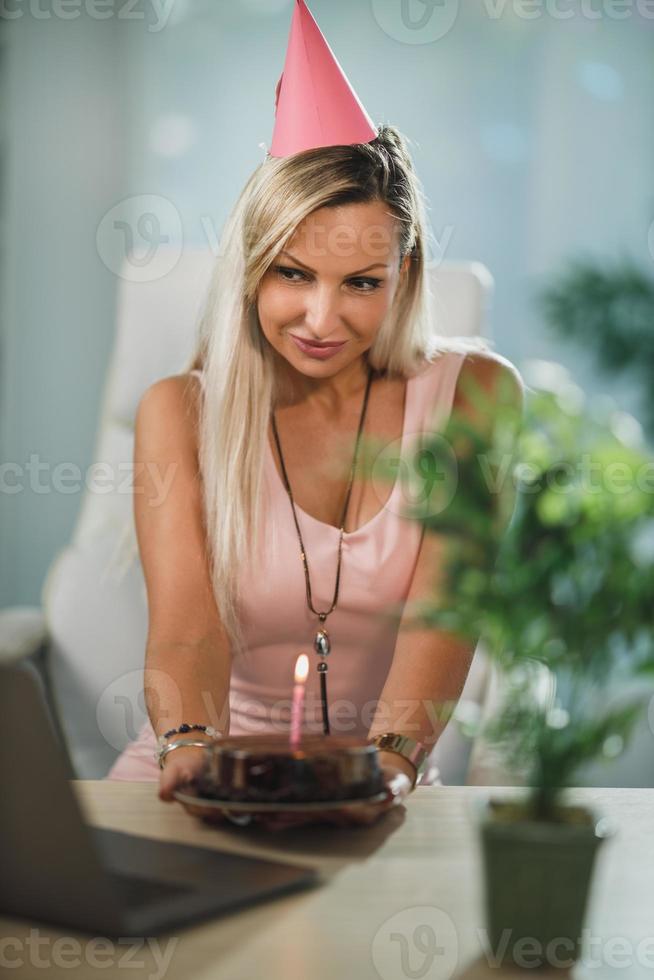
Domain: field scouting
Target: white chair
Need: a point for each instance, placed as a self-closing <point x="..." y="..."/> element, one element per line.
<point x="88" y="640"/>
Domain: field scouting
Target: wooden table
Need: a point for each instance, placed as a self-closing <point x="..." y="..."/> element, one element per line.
<point x="412" y="876"/>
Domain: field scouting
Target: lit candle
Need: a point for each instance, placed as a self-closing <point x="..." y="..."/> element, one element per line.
<point x="301" y="673"/>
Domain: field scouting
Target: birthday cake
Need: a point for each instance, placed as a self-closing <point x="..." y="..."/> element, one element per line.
<point x="268" y="769"/>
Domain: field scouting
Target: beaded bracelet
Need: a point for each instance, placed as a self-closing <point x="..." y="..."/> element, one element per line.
<point x="184" y="728"/>
<point x="163" y="746"/>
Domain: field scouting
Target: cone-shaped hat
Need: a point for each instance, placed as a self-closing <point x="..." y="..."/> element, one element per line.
<point x="315" y="105"/>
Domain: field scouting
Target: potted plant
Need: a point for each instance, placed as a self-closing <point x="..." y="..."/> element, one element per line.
<point x="549" y="532"/>
<point x="606" y="307"/>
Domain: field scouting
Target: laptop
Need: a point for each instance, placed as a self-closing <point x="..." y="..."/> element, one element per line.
<point x="55" y="868"/>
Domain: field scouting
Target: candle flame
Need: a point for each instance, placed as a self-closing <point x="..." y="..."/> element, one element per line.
<point x="301" y="668"/>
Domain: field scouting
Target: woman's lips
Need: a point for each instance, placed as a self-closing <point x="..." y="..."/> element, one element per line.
<point x="322" y="353"/>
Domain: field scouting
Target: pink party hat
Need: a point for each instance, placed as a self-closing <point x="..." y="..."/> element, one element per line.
<point x="315" y="105"/>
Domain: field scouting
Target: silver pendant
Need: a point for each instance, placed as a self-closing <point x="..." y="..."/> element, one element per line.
<point x="321" y="643"/>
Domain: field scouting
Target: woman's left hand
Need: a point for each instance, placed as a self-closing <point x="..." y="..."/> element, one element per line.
<point x="398" y="787"/>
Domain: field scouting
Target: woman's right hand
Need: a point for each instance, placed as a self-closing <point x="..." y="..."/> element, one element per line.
<point x="181" y="765"/>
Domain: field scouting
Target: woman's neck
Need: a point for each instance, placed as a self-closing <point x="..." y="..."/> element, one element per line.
<point x="327" y="395"/>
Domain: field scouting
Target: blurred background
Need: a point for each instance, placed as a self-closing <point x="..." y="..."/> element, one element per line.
<point x="126" y="125"/>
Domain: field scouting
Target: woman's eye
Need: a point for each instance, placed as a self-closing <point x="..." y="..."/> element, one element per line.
<point x="371" y="283"/>
<point x="361" y="285"/>
<point x="281" y="270"/>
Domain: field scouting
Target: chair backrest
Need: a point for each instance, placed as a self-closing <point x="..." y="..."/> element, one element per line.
<point x="97" y="616"/>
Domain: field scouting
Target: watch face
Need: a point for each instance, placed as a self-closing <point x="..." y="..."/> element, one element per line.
<point x="406" y="746"/>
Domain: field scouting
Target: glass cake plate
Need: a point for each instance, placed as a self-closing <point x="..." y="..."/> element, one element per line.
<point x="206" y="806"/>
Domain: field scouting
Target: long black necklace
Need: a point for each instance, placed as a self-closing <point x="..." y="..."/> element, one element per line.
<point x="321" y="642"/>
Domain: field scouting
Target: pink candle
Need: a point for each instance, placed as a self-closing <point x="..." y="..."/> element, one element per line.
<point x="301" y="674"/>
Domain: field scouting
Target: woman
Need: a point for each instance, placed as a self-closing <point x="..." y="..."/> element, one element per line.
<point x="328" y="247"/>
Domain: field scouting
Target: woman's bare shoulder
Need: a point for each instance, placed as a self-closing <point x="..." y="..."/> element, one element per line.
<point x="173" y="388"/>
<point x="494" y="378"/>
<point x="171" y="405"/>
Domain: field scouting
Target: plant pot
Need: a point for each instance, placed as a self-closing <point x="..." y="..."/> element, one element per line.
<point x="537" y="877"/>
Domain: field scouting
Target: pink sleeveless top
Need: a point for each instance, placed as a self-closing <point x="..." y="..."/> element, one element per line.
<point x="378" y="561"/>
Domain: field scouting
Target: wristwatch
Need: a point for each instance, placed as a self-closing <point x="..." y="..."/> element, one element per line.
<point x="409" y="748"/>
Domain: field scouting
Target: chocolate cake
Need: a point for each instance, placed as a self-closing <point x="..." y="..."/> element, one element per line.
<point x="266" y="769"/>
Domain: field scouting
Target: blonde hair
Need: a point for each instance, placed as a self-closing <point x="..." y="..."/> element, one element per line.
<point x="241" y="386"/>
